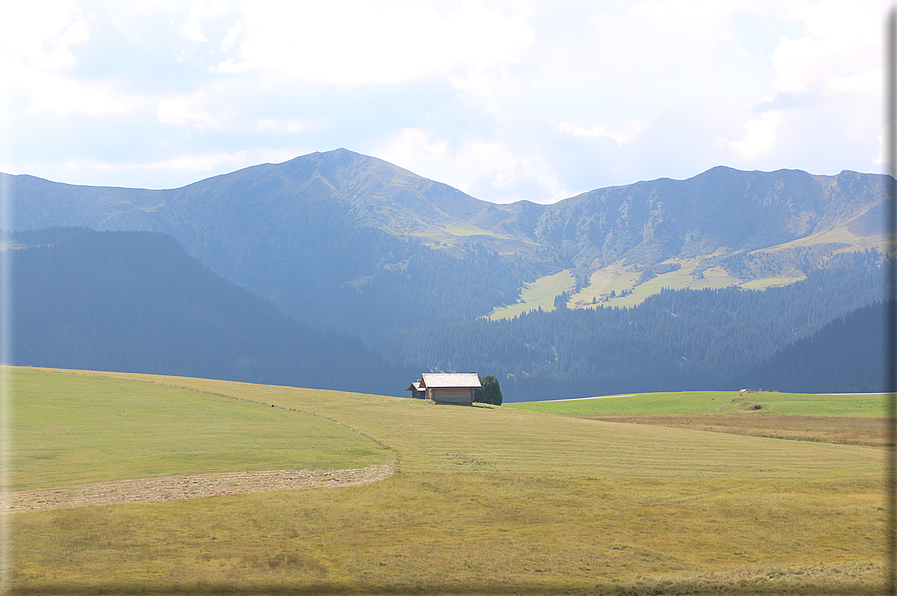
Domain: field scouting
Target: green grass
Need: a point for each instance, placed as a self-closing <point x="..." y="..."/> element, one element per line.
<point x="715" y="402"/>
<point x="75" y="428"/>
<point x="613" y="278"/>
<point x="617" y="279"/>
<point x="769" y="282"/>
<point x="484" y="499"/>
<point x="539" y="294"/>
<point x="464" y="229"/>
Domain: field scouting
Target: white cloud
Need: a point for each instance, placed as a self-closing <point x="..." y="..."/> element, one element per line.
<point x="193" y="30"/>
<point x="621" y="133"/>
<point x="61" y="94"/>
<point x="505" y="98"/>
<point x="840" y="50"/>
<point x="40" y="35"/>
<point x="199" y="11"/>
<point x="868" y="82"/>
<point x="489" y="170"/>
<point x="279" y="126"/>
<point x="760" y="136"/>
<point x="191" y="164"/>
<point x="36" y="55"/>
<point x="879" y="157"/>
<point x="233" y="34"/>
<point x="188" y="110"/>
<point x="207" y="162"/>
<point x="355" y="42"/>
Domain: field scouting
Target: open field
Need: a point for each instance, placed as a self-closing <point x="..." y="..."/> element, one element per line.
<point x="769" y="282"/>
<point x="715" y="402"/>
<point x="847" y="419"/>
<point x="852" y="430"/>
<point x="483" y="499"/>
<point x="75" y="429"/>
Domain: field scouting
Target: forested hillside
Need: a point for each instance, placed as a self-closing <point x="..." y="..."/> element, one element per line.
<point x="134" y="301"/>
<point x="845" y="356"/>
<point x="675" y="340"/>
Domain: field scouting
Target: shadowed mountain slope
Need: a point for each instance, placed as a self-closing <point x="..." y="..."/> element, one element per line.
<point x="845" y="356"/>
<point x="136" y="302"/>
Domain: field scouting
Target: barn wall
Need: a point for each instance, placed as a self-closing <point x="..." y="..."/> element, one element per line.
<point x="455" y="395"/>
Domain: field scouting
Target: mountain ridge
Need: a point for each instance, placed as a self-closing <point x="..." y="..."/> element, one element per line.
<point x="413" y="268"/>
<point x="317" y="232"/>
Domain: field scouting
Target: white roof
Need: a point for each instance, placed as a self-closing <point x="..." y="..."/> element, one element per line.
<point x="450" y="380"/>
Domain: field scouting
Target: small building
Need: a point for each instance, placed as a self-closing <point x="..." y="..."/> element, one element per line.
<point x="416" y="391"/>
<point x="449" y="388"/>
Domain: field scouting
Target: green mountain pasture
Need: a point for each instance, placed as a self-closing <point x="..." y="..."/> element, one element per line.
<point x="483" y="499"/>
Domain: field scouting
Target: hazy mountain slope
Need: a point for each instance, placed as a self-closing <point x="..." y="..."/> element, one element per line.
<point x="312" y="235"/>
<point x="712" y="215"/>
<point x="351" y="241"/>
<point x="135" y="301"/>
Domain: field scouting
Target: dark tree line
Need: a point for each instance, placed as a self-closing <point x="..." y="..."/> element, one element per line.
<point x="489" y="392"/>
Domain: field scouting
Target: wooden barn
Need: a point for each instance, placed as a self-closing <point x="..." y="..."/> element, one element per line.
<point x="416" y="391"/>
<point x="449" y="388"/>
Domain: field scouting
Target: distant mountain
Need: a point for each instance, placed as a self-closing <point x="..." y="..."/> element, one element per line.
<point x="136" y="302"/>
<point x="351" y="241"/>
<point x="716" y="218"/>
<point x="332" y="239"/>
<point x="414" y="268"/>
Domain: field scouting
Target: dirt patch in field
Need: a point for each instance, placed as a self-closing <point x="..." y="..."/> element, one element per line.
<point x="191" y="486"/>
<point x="827" y="429"/>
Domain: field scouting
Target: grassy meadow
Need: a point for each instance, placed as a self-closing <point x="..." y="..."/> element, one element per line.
<point x="538" y="294"/>
<point x="715" y="402"/>
<point x="77" y="428"/>
<point x="483" y="499"/>
<point x="843" y="419"/>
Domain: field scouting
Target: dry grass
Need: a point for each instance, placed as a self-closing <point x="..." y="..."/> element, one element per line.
<point x="830" y="429"/>
<point x="491" y="500"/>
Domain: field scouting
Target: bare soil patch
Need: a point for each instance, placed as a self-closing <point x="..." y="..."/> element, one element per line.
<point x="828" y="429"/>
<point x="191" y="486"/>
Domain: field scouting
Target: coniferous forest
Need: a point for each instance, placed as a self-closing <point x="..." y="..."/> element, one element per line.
<point x="675" y="340"/>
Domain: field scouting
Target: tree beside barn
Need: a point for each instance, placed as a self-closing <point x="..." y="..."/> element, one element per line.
<point x="489" y="392"/>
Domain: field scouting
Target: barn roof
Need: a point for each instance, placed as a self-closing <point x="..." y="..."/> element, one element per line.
<point x="435" y="380"/>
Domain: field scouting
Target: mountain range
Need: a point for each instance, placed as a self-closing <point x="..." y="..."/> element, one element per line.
<point x="349" y="242"/>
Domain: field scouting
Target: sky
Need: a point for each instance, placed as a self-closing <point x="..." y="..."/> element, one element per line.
<point x="505" y="100"/>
